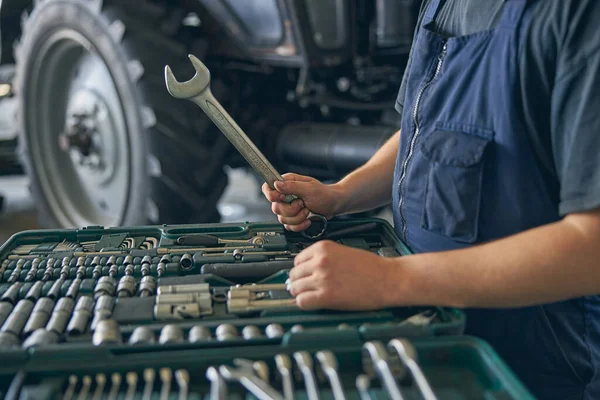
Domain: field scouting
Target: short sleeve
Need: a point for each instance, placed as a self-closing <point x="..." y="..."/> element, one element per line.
<point x="575" y="110"/>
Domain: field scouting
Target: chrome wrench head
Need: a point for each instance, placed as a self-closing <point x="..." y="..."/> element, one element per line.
<point x="375" y="359"/>
<point x="192" y="88"/>
<point x="244" y="373"/>
<point x="408" y="355"/>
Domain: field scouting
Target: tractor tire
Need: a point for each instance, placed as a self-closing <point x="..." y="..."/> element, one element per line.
<point x="101" y="139"/>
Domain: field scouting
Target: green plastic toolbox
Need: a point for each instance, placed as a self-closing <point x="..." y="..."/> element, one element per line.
<point x="201" y="311"/>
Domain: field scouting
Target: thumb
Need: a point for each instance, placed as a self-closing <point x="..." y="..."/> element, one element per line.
<point x="292" y="187"/>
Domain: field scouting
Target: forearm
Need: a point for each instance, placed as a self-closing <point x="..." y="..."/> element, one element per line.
<point x="370" y="186"/>
<point x="546" y="264"/>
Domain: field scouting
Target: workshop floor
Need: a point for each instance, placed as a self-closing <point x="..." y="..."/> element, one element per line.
<point x="241" y="202"/>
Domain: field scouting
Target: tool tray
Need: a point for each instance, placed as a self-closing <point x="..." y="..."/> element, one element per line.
<point x="195" y="262"/>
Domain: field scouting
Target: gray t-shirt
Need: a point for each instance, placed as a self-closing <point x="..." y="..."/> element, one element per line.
<point x="560" y="88"/>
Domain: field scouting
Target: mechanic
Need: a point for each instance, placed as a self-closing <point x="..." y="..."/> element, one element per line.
<point x="495" y="186"/>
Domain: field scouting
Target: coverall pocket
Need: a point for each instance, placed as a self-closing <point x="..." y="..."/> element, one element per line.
<point x="454" y="181"/>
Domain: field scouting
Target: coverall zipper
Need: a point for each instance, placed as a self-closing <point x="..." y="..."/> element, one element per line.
<point x="414" y="139"/>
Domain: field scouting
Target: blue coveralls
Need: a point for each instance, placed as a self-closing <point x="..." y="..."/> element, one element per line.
<point x="466" y="173"/>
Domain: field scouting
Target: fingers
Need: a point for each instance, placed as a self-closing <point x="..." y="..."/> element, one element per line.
<point x="298" y="228"/>
<point x="271" y="194"/>
<point x="299" y="188"/>
<point x="288" y="209"/>
<point x="302" y="285"/>
<point x="300" y="270"/>
<point x="296" y="177"/>
<point x="311" y="300"/>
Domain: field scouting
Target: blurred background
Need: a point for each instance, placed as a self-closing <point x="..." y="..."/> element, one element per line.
<point x="89" y="134"/>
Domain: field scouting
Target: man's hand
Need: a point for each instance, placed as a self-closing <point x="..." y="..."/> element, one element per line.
<point x="314" y="196"/>
<point x="329" y="275"/>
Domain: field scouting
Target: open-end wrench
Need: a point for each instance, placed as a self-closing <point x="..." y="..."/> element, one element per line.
<point x="376" y="353"/>
<point x="305" y="365"/>
<point x="363" y="383"/>
<point x="408" y="355"/>
<point x="197" y="90"/>
<point x="284" y="366"/>
<point x="329" y="365"/>
<point x="244" y="374"/>
<point x="218" y="387"/>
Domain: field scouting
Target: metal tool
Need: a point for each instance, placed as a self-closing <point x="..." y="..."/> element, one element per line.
<point x="166" y="312"/>
<point x="363" y="384"/>
<point x="115" y="380"/>
<point x="274" y="331"/>
<point x="103" y="309"/>
<point x="35" y="292"/>
<point x="305" y="364"/>
<point x="201" y="239"/>
<point x="100" y="384"/>
<point x="81" y="316"/>
<point x="180" y="289"/>
<point x="127" y="286"/>
<point x="329" y="365"/>
<point x="284" y="366"/>
<point x="132" y="379"/>
<point x="198" y="91"/>
<point x="54" y="292"/>
<point x="106" y="286"/>
<point x="252" y="298"/>
<point x="199" y="333"/>
<point x="8" y="339"/>
<point x="186" y="261"/>
<point x="147" y="286"/>
<point x="145" y="269"/>
<point x="166" y="376"/>
<point x="226" y="332"/>
<point x="41" y="337"/>
<point x="261" y="369"/>
<point x="86" y="384"/>
<point x="204" y="300"/>
<point x="375" y="358"/>
<point x="171" y="334"/>
<point x="39" y="316"/>
<point x="5" y="309"/>
<point x="408" y="355"/>
<point x="244" y="374"/>
<point x="251" y="332"/>
<point x="18" y="317"/>
<point x="61" y="315"/>
<point x="107" y="332"/>
<point x="71" y="388"/>
<point x="218" y="388"/>
<point x="183" y="381"/>
<point x="12" y="294"/>
<point x="246" y="271"/>
<point x="142" y="335"/>
<point x="149" y="376"/>
<point x="421" y="319"/>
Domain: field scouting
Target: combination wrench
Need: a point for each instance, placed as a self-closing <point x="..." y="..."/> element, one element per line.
<point x="197" y="90"/>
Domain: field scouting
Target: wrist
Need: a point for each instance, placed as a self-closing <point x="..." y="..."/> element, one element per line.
<point x="340" y="194"/>
<point x="404" y="283"/>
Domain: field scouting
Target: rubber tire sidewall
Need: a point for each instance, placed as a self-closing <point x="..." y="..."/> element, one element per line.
<point x="54" y="15"/>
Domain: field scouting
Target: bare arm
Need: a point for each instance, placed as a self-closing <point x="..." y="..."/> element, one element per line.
<point x="370" y="186"/>
<point x="549" y="263"/>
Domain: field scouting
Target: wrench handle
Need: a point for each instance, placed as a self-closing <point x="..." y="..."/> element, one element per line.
<point x="238" y="138"/>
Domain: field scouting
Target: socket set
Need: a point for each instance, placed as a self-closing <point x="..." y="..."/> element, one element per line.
<point x="136" y="295"/>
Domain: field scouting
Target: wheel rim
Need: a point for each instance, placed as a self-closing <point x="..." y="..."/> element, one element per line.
<point x="78" y="135"/>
